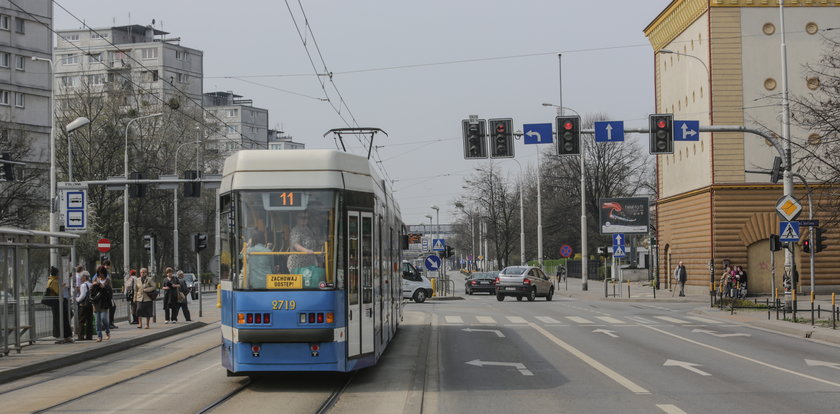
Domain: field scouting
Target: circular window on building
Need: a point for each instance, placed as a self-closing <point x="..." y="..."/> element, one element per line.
<point x="768" y="29"/>
<point x="813" y="83"/>
<point x="811" y="28"/>
<point x="769" y="84"/>
<point x="814" y="139"/>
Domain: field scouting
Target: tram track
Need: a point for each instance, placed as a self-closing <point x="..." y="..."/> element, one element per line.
<point x="210" y="327"/>
<point x="323" y="408"/>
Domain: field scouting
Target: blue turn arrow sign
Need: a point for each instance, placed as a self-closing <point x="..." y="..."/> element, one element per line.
<point x="686" y="130"/>
<point x="609" y="131"/>
<point x="537" y="133"/>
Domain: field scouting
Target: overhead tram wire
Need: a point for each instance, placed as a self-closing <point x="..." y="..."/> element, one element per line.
<point x="140" y="64"/>
<point x="342" y="101"/>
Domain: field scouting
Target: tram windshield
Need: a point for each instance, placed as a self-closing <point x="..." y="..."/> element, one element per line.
<point x="286" y="239"/>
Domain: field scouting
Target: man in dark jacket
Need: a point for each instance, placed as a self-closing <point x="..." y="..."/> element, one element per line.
<point x="682" y="276"/>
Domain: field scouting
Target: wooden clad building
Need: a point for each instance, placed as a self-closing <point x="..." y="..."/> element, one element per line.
<point x="718" y="61"/>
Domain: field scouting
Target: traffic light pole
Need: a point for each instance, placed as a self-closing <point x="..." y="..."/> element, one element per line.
<point x="198" y="278"/>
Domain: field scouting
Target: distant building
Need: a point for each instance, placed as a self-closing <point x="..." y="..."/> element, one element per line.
<point x="719" y="62"/>
<point x="277" y="140"/>
<point x="25" y="85"/>
<point x="245" y="126"/>
<point x="107" y="61"/>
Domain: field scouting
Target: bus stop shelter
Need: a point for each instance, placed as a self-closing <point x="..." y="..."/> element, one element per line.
<point x="24" y="268"/>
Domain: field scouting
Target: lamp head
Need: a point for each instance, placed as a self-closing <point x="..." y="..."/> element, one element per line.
<point x="77" y="123"/>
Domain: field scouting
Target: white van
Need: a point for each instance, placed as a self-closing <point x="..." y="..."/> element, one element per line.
<point x="414" y="285"/>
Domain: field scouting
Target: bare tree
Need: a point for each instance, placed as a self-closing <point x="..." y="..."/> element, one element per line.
<point x="22" y="201"/>
<point x="497" y="200"/>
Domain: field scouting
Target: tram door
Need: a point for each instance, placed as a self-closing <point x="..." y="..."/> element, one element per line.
<point x="360" y="313"/>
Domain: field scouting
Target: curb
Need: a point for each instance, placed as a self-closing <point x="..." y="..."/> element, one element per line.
<point x="67" y="360"/>
<point x="446" y="298"/>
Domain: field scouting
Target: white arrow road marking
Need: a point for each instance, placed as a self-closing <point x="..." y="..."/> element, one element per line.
<point x="609" y="132"/>
<point x="815" y="363"/>
<point x="534" y="133"/>
<point x="518" y="365"/>
<point x="606" y="332"/>
<point x="687" y="365"/>
<point x="687" y="132"/>
<point x="720" y="335"/>
<point x="496" y="331"/>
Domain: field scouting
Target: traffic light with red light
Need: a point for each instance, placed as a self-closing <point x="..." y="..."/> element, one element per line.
<point x="661" y="133"/>
<point x="475" y="138"/>
<point x="568" y="135"/>
<point x="501" y="138"/>
<point x="806" y="246"/>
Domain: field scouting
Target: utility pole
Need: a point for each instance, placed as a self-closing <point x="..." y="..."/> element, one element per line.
<point x="790" y="265"/>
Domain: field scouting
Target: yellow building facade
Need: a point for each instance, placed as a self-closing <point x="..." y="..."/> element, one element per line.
<point x="719" y="62"/>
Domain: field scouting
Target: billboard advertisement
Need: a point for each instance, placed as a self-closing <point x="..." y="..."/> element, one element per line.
<point x="624" y="215"/>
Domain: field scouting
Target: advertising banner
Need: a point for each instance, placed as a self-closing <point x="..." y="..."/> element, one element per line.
<point x="624" y="215"/>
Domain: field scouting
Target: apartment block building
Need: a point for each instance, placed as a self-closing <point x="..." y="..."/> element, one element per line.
<point x="278" y="140"/>
<point x="240" y="124"/>
<point x="719" y="62"/>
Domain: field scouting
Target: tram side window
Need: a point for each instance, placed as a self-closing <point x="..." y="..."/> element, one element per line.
<point x="286" y="239"/>
<point x="226" y="234"/>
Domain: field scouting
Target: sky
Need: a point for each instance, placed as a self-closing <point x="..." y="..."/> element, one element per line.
<point x="413" y="69"/>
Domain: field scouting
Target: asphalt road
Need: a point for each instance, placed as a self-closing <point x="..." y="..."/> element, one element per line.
<point x="479" y="355"/>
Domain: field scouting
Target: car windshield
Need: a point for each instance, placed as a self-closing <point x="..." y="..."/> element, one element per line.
<point x="514" y="270"/>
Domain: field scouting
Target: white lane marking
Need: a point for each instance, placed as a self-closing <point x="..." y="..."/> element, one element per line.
<point x="670" y="319"/>
<point x="704" y="320"/>
<point x="516" y="319"/>
<point x="622" y="380"/>
<point x="496" y="331"/>
<point x="485" y="319"/>
<point x="816" y="363"/>
<point x="642" y="320"/>
<point x="609" y="319"/>
<point x="670" y="409"/>
<point x="454" y="319"/>
<point x="546" y="319"/>
<point x="606" y="332"/>
<point x="518" y="365"/>
<point x="755" y="361"/>
<point x="578" y="319"/>
<point x="687" y="365"/>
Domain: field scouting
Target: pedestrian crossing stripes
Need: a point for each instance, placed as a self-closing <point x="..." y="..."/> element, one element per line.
<point x="631" y="320"/>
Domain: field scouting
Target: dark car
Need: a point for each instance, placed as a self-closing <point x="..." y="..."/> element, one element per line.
<point x="523" y="282"/>
<point x="481" y="282"/>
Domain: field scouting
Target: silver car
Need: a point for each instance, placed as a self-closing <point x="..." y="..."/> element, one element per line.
<point x="523" y="282"/>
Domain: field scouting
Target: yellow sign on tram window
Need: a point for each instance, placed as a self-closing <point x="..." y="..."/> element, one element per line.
<point x="280" y="281"/>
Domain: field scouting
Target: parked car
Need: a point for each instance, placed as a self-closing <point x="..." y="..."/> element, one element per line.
<point x="481" y="282"/>
<point x="523" y="282"/>
<point x="414" y="285"/>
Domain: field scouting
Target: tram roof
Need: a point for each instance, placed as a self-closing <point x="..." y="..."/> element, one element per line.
<point x="296" y="160"/>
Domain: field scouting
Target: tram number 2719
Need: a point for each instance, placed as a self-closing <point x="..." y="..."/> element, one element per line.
<point x="283" y="305"/>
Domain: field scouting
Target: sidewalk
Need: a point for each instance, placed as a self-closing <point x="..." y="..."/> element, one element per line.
<point x="637" y="291"/>
<point x="46" y="355"/>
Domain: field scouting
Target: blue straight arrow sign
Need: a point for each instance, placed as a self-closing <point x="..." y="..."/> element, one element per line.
<point x="610" y="131"/>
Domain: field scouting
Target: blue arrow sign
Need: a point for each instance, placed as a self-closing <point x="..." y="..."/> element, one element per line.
<point x="686" y="130"/>
<point x="432" y="262"/>
<point x="611" y="131"/>
<point x="537" y="133"/>
<point x="789" y="231"/>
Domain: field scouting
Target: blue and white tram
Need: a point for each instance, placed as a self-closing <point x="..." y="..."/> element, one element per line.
<point x="310" y="254"/>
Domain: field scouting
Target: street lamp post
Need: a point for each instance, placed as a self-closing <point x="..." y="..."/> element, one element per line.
<point x="429" y="216"/>
<point x="76" y="124"/>
<point x="126" y="253"/>
<point x="53" y="223"/>
<point x="460" y="205"/>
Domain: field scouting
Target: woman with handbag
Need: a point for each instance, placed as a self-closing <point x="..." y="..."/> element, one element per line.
<point x="145" y="294"/>
<point x="170" y="287"/>
<point x="101" y="294"/>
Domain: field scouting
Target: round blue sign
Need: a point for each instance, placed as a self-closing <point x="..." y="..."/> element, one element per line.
<point x="432" y="262"/>
<point x="566" y="251"/>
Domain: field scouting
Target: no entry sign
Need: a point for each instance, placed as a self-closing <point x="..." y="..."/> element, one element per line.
<point x="104" y="245"/>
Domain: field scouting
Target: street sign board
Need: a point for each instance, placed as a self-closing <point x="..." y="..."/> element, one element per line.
<point x="624" y="215"/>
<point x="432" y="262"/>
<point x="73" y="211"/>
<point x="566" y="251"/>
<point x="618" y="245"/>
<point x="537" y="133"/>
<point x="104" y="245"/>
<point x="789" y="207"/>
<point x="789" y="231"/>
<point x="809" y="223"/>
<point x="425" y="245"/>
<point x="686" y="130"/>
<point x="609" y="131"/>
<point x="438" y="245"/>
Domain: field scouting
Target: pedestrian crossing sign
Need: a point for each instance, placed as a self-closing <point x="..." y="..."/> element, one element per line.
<point x="618" y="251"/>
<point x="789" y="231"/>
<point x="438" y="245"/>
